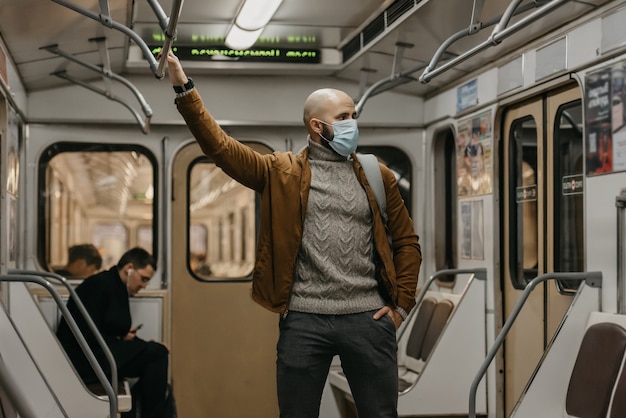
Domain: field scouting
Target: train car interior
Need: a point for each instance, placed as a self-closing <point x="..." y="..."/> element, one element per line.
<point x="501" y="120"/>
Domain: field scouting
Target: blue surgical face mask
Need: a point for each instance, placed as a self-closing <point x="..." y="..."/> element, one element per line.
<point x="345" y="138"/>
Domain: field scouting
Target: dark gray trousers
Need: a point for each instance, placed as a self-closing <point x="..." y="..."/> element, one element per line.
<point x="368" y="352"/>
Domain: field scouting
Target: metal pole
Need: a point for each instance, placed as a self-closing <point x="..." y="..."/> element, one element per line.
<point x="620" y="203"/>
<point x="108" y="388"/>
<point x="479" y="273"/>
<point x="592" y="278"/>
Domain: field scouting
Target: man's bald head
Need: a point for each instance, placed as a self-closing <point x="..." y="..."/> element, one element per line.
<point x="321" y="101"/>
<point x="324" y="103"/>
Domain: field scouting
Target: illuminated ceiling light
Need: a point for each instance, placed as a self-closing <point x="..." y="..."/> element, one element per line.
<point x="238" y="38"/>
<point x="253" y="16"/>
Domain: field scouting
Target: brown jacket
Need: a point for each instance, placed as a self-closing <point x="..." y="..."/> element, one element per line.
<point x="283" y="179"/>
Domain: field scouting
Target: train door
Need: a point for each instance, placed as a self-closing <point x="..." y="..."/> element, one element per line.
<point x="223" y="344"/>
<point x="542" y="223"/>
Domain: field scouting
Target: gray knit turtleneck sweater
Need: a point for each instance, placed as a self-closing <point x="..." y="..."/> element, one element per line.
<point x="335" y="272"/>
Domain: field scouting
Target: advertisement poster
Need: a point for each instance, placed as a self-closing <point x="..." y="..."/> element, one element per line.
<point x="11" y="183"/>
<point x="605" y="141"/>
<point x="467" y="95"/>
<point x="472" y="243"/>
<point x="474" y="155"/>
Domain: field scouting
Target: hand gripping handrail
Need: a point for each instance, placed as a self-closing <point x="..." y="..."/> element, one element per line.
<point x="36" y="277"/>
<point x="479" y="273"/>
<point x="168" y="26"/>
<point x="498" y="35"/>
<point x="105" y="72"/>
<point x="591" y="278"/>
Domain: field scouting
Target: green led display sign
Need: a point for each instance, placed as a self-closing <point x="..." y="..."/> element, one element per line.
<point x="255" y="54"/>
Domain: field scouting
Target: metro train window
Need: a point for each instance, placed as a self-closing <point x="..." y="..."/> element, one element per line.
<point x="568" y="197"/>
<point x="523" y="178"/>
<point x="222" y="234"/>
<point x="98" y="194"/>
<point x="398" y="162"/>
<point x="445" y="169"/>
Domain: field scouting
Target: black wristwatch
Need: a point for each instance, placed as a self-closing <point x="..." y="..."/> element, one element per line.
<point x="188" y="86"/>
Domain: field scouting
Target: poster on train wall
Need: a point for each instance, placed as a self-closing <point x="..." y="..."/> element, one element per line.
<point x="472" y="242"/>
<point x="474" y="155"/>
<point x="10" y="177"/>
<point x="605" y="141"/>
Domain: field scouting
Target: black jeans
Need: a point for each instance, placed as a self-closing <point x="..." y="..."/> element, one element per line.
<point x="150" y="391"/>
<point x="368" y="352"/>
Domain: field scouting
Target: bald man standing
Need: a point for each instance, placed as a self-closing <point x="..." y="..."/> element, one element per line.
<point x="323" y="260"/>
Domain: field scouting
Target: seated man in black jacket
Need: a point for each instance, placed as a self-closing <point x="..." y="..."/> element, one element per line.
<point x="106" y="298"/>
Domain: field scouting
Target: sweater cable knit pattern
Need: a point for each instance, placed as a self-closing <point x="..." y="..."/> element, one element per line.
<point x="335" y="271"/>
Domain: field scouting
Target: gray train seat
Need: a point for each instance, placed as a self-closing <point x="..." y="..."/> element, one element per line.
<point x="596" y="369"/>
<point x="427" y="327"/>
<point x="594" y="374"/>
<point x="446" y="319"/>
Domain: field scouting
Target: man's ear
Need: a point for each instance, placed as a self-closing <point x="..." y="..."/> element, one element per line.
<point x="127" y="269"/>
<point x="315" y="126"/>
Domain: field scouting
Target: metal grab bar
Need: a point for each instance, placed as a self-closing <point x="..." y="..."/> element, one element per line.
<point x="403" y="77"/>
<point x="479" y="273"/>
<point x="620" y="203"/>
<point x="144" y="124"/>
<point x="54" y="49"/>
<point x="106" y="20"/>
<point x="17" y="399"/>
<point x="83" y="311"/>
<point x="168" y="25"/>
<point x="105" y="72"/>
<point x="383" y="85"/>
<point x="592" y="278"/>
<point x="496" y="37"/>
<point x="37" y="279"/>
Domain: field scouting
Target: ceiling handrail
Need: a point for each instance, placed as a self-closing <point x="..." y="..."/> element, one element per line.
<point x="506" y="17"/>
<point x="388" y="83"/>
<point x="381" y="86"/>
<point x="106" y="20"/>
<point x="144" y="124"/>
<point x="105" y="71"/>
<point x="168" y="25"/>
<point x="496" y="37"/>
<point x="403" y="77"/>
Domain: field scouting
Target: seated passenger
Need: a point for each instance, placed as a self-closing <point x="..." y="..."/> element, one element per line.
<point x="199" y="264"/>
<point x="106" y="298"/>
<point x="82" y="261"/>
